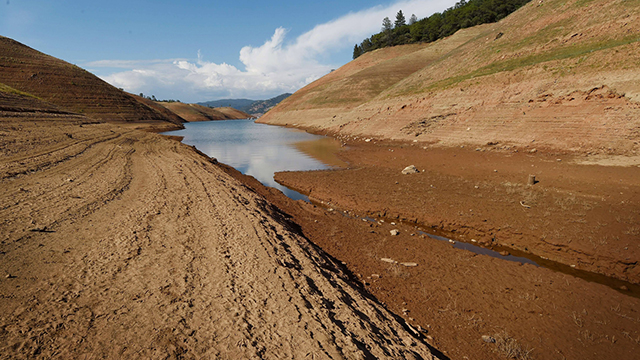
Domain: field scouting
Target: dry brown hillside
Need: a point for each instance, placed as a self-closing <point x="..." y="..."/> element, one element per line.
<point x="195" y="112"/>
<point x="562" y="75"/>
<point x="68" y="87"/>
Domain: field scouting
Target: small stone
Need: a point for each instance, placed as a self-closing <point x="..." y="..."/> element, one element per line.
<point x="451" y="241"/>
<point x="504" y="253"/>
<point x="533" y="150"/>
<point x="409" y="264"/>
<point x="411" y="169"/>
<point x="375" y="276"/>
<point x="394" y="232"/>
<point x="624" y="288"/>
<point x="391" y="261"/>
<point x="367" y="140"/>
<point x="488" y="339"/>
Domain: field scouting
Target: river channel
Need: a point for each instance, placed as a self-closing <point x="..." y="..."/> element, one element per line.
<point x="261" y="150"/>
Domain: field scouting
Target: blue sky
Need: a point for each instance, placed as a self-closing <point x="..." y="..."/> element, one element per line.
<point x="203" y="50"/>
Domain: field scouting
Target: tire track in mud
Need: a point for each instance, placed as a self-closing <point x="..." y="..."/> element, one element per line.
<point x="42" y="161"/>
<point x="298" y="273"/>
<point x="167" y="256"/>
<point x="45" y="198"/>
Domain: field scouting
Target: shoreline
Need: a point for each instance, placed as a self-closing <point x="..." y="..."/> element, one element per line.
<point x="118" y="243"/>
<point x="450" y="299"/>
<point x="551" y="294"/>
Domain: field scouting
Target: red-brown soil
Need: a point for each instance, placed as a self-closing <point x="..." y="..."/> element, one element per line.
<point x="587" y="216"/>
<point x="458" y="296"/>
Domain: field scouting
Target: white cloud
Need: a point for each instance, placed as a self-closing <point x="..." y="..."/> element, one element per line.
<point x="275" y="67"/>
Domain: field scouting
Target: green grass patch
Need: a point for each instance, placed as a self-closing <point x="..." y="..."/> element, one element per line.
<point x="9" y="90"/>
<point x="513" y="64"/>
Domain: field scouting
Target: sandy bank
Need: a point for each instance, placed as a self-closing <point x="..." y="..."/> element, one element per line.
<point x="122" y="244"/>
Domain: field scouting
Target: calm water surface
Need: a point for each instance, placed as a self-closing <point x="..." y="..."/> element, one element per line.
<point x="261" y="150"/>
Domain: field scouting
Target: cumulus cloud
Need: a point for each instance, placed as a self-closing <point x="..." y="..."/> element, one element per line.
<point x="275" y="67"/>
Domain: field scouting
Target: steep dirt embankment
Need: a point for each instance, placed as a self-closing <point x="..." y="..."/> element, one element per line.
<point x="195" y="112"/>
<point x="69" y="87"/>
<point x="562" y="73"/>
<point x="124" y="244"/>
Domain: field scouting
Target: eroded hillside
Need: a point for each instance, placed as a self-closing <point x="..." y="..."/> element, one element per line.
<point x="69" y="87"/>
<point x="560" y="74"/>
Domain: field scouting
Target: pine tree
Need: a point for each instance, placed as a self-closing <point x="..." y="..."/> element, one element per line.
<point x="357" y="51"/>
<point x="413" y="19"/>
<point x="400" y="20"/>
<point x="386" y="24"/>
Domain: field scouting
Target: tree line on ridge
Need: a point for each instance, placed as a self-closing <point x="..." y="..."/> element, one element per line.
<point x="462" y="15"/>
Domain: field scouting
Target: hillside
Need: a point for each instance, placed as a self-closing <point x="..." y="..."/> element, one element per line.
<point x="567" y="81"/>
<point x="195" y="112"/>
<point x="254" y="108"/>
<point x="69" y="87"/>
<point x="260" y="107"/>
<point x="234" y="103"/>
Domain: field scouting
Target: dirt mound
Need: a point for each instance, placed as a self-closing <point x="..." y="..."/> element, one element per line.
<point x="195" y="112"/>
<point x="497" y="82"/>
<point x="67" y="86"/>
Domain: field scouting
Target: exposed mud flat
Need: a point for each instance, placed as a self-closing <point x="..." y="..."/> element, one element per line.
<point x="116" y="243"/>
<point x="584" y="217"/>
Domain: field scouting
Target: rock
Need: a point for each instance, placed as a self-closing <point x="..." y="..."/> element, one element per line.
<point x="394" y="232"/>
<point x="504" y="253"/>
<point x="411" y="169"/>
<point x="488" y="339"/>
<point x="409" y="264"/>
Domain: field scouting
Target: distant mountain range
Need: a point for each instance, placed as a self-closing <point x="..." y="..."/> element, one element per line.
<point x="252" y="107"/>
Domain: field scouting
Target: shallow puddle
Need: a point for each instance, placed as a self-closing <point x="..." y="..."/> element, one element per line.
<point x="508" y="254"/>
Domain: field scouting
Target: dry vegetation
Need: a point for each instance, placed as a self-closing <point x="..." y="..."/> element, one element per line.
<point x="567" y="81"/>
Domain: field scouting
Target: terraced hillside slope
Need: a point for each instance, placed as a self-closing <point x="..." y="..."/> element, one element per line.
<point x="195" y="112"/>
<point x="69" y="87"/>
<point x="562" y="74"/>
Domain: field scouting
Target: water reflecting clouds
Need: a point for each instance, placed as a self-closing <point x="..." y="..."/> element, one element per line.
<point x="254" y="149"/>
